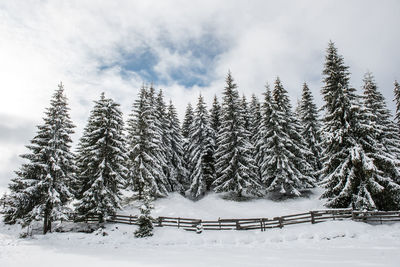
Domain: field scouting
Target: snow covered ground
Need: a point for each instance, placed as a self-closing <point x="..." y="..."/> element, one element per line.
<point x="336" y="243"/>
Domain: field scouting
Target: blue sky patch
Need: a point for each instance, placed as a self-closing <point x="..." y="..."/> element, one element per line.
<point x="202" y="54"/>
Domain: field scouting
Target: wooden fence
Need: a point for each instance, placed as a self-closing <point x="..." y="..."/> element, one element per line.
<point x="263" y="224"/>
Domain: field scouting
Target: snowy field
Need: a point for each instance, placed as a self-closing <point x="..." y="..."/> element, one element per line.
<point x="339" y="243"/>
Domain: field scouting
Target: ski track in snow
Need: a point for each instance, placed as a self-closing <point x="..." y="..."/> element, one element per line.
<point x="335" y="243"/>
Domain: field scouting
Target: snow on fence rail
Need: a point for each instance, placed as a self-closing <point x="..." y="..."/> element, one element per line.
<point x="262" y="224"/>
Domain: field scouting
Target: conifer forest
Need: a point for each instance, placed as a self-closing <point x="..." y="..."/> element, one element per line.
<point x="245" y="146"/>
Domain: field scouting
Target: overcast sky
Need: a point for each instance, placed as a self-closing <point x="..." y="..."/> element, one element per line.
<point x="184" y="47"/>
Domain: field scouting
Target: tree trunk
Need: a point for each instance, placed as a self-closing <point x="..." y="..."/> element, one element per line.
<point x="49" y="225"/>
<point x="45" y="222"/>
<point x="239" y="194"/>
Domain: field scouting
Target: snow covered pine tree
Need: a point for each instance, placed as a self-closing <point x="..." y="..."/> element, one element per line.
<point x="101" y="160"/>
<point x="145" y="154"/>
<point x="235" y="166"/>
<point x="177" y="173"/>
<point x="383" y="147"/>
<point x="187" y="121"/>
<point x="145" y="221"/>
<point x="215" y="115"/>
<point x="354" y="159"/>
<point x="201" y="152"/>
<point x="397" y="100"/>
<point x="284" y="170"/>
<point x="41" y="189"/>
<point x="215" y="119"/>
<point x="308" y="115"/>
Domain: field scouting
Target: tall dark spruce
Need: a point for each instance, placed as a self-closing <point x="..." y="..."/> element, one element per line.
<point x="187" y="121"/>
<point x="282" y="151"/>
<point x="308" y="115"/>
<point x="383" y="147"/>
<point x="254" y="130"/>
<point x="396" y="91"/>
<point x="101" y="160"/>
<point x="161" y="124"/>
<point x="145" y="150"/>
<point x="215" y="115"/>
<point x="353" y="155"/>
<point x="215" y="119"/>
<point x="255" y="118"/>
<point x="245" y="114"/>
<point x="235" y="166"/>
<point x="42" y="187"/>
<point x="201" y="152"/>
<point x="177" y="172"/>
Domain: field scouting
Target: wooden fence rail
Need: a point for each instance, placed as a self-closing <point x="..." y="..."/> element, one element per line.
<point x="262" y="224"/>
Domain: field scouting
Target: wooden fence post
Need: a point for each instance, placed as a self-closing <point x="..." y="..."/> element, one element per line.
<point x="353" y="215"/>
<point x="261" y="224"/>
<point x="312" y="217"/>
<point x="160" y="221"/>
<point x="280" y="222"/>
<point x="237" y="225"/>
<point x="219" y="222"/>
<point x="199" y="227"/>
<point x="179" y="221"/>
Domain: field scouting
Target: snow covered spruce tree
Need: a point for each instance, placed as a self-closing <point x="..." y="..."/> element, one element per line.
<point x="215" y="120"/>
<point x="308" y="115"/>
<point x="187" y="121"/>
<point x="41" y="189"/>
<point x="245" y="114"/>
<point x="201" y="152"/>
<point x="255" y="118"/>
<point x="215" y="115"/>
<point x="101" y="160"/>
<point x="165" y="146"/>
<point x="254" y="130"/>
<point x="383" y="147"/>
<point x="259" y="141"/>
<point x="235" y="166"/>
<point x="397" y="100"/>
<point x="177" y="173"/>
<point x="145" y="221"/>
<point x="284" y="169"/>
<point x="145" y="154"/>
<point x="353" y="156"/>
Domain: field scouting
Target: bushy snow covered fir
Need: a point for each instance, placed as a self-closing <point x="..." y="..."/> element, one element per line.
<point x="145" y="222"/>
<point x="308" y="115"/>
<point x="282" y="159"/>
<point x="42" y="187"/>
<point x="101" y="161"/>
<point x="146" y="160"/>
<point x="215" y="115"/>
<point x="201" y="152"/>
<point x="354" y="156"/>
<point x="235" y="165"/>
<point x="396" y="92"/>
<point x="187" y="121"/>
<point x="162" y="125"/>
<point x="177" y="172"/>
